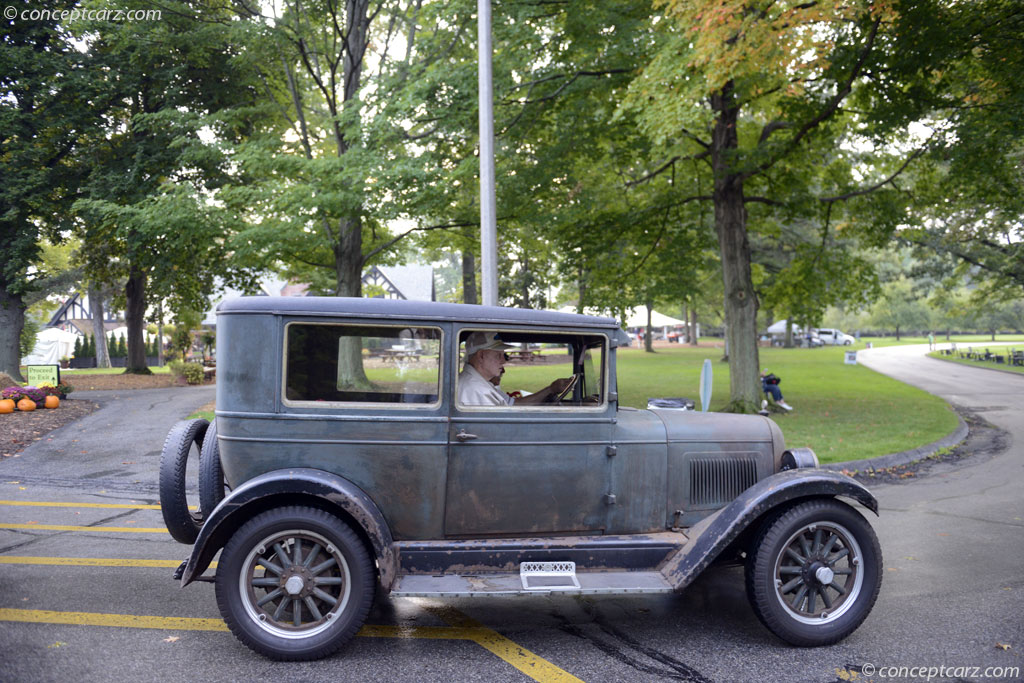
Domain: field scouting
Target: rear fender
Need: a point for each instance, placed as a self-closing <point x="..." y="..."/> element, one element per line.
<point x="714" y="534"/>
<point x="293" y="487"/>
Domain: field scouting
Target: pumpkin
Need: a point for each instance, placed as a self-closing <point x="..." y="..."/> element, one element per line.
<point x="26" y="404"/>
<point x="6" y="406"/>
<point x="51" y="402"/>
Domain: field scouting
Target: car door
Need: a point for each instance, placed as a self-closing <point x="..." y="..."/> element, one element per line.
<point x="530" y="470"/>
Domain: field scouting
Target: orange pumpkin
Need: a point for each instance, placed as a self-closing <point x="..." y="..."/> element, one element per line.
<point x="26" y="404"/>
<point x="6" y="406"/>
<point x="51" y="402"/>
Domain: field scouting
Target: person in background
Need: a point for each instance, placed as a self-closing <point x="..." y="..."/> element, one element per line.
<point x="770" y="385"/>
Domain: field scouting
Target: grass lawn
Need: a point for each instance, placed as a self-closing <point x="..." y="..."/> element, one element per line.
<point x="980" y="363"/>
<point x="844" y="412"/>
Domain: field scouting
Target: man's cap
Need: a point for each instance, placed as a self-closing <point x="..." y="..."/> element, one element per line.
<point x="478" y="341"/>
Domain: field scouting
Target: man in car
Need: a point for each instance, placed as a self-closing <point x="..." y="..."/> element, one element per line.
<point x="485" y="359"/>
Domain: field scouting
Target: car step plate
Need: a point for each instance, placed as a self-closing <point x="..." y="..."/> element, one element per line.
<point x="548" y="576"/>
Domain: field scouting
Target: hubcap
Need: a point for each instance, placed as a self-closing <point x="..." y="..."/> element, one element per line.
<point x="294" y="585"/>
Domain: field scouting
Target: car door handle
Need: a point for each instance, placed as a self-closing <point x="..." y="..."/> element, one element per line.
<point x="463" y="435"/>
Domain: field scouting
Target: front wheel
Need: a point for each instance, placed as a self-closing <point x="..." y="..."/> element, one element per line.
<point x="294" y="583"/>
<point x="814" y="573"/>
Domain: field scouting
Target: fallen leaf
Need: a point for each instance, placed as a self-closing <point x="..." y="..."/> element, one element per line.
<point x="56" y="645"/>
<point x="171" y="639"/>
<point x="21" y="488"/>
<point x="14" y="482"/>
<point x="127" y="462"/>
<point x="1003" y="646"/>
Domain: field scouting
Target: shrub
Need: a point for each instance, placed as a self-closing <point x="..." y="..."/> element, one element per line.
<point x="27" y="341"/>
<point x="176" y="367"/>
<point x="60" y="391"/>
<point x="64" y="387"/>
<point x="194" y="373"/>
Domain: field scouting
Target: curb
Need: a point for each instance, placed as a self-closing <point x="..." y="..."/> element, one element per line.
<point x="905" y="457"/>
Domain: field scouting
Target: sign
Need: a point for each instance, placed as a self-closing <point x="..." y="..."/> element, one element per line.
<point x="37" y="375"/>
<point x="851" y="358"/>
<point x="705" y="385"/>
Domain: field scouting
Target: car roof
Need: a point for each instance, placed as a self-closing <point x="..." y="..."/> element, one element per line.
<point x="332" y="306"/>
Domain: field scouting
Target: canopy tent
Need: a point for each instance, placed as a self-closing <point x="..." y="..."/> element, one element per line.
<point x="637" y="317"/>
<point x="779" y="327"/>
<point x="52" y="344"/>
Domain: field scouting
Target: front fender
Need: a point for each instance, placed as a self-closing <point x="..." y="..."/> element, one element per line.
<point x="290" y="487"/>
<point x="713" y="534"/>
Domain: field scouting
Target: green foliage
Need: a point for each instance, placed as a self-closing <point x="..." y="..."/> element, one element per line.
<point x="191" y="372"/>
<point x="122" y="349"/>
<point x="78" y="347"/>
<point x="28" y="337"/>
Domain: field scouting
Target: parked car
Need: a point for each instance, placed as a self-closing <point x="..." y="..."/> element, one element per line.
<point x="835" y="337"/>
<point x="330" y="475"/>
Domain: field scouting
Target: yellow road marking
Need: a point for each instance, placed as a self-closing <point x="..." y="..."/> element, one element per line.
<point x="535" y="667"/>
<point x="57" y="504"/>
<point x="66" y="527"/>
<point x="42" y="616"/>
<point x="90" y="561"/>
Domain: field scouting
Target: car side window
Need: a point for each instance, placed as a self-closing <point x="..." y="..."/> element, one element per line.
<point x="362" y="364"/>
<point x="511" y="369"/>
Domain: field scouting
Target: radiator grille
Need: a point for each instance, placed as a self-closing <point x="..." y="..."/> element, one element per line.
<point x="716" y="481"/>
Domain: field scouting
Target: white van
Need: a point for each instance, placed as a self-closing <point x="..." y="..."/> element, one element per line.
<point x="835" y="337"/>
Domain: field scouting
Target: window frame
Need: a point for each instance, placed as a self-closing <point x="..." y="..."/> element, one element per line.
<point x="605" y="363"/>
<point x="374" y="405"/>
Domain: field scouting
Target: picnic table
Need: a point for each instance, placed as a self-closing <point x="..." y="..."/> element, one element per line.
<point x="523" y="355"/>
<point x="395" y="355"/>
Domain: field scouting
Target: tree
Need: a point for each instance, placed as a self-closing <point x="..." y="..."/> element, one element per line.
<point x="743" y="87"/>
<point x="48" y="100"/>
<point x="149" y="210"/>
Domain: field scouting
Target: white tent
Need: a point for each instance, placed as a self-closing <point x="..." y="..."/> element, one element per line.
<point x="52" y="344"/>
<point x="779" y="327"/>
<point x="637" y="317"/>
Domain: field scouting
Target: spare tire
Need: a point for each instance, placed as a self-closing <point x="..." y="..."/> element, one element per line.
<point x="211" y="476"/>
<point x="182" y="523"/>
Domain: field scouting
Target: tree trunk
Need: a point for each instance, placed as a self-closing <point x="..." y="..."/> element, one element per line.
<point x="99" y="333"/>
<point x="897" y="333"/>
<point x="12" y="320"/>
<point x="648" y="337"/>
<point x="348" y="262"/>
<point x="788" y="339"/>
<point x="734" y="247"/>
<point x="694" y="336"/>
<point x="160" y="335"/>
<point x="135" y="320"/>
<point x="469" y="278"/>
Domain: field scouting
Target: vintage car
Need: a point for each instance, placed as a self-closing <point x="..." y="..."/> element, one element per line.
<point x="343" y="464"/>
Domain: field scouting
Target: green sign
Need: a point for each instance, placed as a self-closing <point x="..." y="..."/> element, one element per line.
<point x="37" y="375"/>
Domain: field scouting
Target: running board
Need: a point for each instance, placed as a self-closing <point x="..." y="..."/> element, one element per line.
<point x="493" y="585"/>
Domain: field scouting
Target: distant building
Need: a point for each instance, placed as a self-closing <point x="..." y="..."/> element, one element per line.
<point x="413" y="283"/>
<point x="75" y="315"/>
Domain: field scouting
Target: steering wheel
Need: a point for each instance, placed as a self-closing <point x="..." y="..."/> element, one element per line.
<point x="568" y="387"/>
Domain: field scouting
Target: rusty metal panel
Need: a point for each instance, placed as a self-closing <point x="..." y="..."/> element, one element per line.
<point x="637" y="473"/>
<point x="525" y="474"/>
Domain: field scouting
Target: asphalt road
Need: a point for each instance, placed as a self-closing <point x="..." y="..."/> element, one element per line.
<point x="953" y="592"/>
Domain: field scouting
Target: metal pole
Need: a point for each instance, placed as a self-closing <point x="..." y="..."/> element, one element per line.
<point x="488" y="203"/>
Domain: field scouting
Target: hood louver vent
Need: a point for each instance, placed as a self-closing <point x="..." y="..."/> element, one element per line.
<point x="717" y="481"/>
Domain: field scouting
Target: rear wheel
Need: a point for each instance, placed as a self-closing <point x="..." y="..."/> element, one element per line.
<point x="295" y="583"/>
<point x="814" y="573"/>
